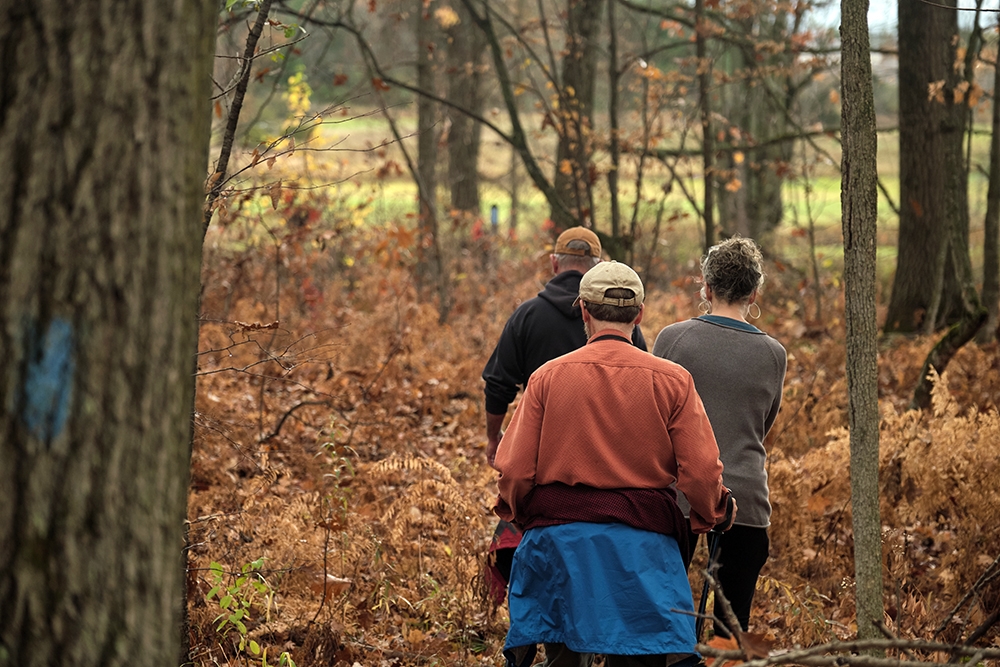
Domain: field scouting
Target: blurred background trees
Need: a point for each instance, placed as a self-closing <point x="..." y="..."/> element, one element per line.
<point x="631" y="116"/>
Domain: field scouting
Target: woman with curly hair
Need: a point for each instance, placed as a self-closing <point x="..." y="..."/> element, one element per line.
<point x="738" y="371"/>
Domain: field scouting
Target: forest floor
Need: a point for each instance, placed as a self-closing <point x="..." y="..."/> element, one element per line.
<point x="340" y="502"/>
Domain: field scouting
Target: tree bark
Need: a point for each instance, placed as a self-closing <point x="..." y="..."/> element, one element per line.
<point x="426" y="118"/>
<point x="991" y="227"/>
<point x="104" y="131"/>
<point x="218" y="178"/>
<point x="614" y="80"/>
<point x="960" y="333"/>
<point x="859" y="201"/>
<point x="926" y="56"/>
<point x="465" y="59"/>
<point x="705" y="110"/>
<point x="431" y="268"/>
<point x="576" y="99"/>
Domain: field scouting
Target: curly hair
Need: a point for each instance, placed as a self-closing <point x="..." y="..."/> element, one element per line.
<point x="733" y="269"/>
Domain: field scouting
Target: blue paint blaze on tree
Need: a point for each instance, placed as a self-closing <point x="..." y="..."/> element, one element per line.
<point x="48" y="380"/>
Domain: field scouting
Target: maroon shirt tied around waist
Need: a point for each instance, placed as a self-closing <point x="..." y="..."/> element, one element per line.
<point x="655" y="510"/>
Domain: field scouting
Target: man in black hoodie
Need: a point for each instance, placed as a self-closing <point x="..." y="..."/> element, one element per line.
<point x="540" y="329"/>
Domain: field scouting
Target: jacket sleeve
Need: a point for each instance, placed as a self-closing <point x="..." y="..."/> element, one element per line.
<point x="504" y="371"/>
<point x="517" y="456"/>
<point x="638" y="339"/>
<point x="699" y="470"/>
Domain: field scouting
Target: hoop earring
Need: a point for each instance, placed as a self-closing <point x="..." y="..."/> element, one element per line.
<point x="705" y="307"/>
<point x="753" y="317"/>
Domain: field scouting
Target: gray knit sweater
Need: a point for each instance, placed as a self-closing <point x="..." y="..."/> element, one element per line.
<point x="738" y="371"/>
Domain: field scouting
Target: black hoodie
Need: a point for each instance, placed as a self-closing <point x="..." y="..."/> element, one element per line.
<point x="540" y="329"/>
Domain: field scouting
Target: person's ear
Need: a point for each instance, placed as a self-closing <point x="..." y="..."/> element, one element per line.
<point x="753" y="297"/>
<point x="638" y="318"/>
<point x="584" y="312"/>
<point x="555" y="264"/>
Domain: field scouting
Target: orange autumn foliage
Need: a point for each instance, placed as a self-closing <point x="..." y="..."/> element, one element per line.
<point x="344" y="444"/>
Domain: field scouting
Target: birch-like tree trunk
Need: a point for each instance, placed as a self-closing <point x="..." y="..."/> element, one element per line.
<point x="104" y="132"/>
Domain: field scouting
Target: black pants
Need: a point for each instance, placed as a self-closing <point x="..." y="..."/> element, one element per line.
<point x="557" y="655"/>
<point x="741" y="556"/>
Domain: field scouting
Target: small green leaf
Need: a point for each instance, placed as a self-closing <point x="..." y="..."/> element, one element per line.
<point x="212" y="593"/>
<point x="254" y="647"/>
<point x="242" y="628"/>
<point x="226" y="601"/>
<point x="230" y="3"/>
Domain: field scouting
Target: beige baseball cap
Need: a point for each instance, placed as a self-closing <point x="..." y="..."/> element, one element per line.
<point x="610" y="275"/>
<point x="578" y="234"/>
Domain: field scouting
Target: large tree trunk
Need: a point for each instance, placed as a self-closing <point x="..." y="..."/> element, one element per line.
<point x="859" y="201"/>
<point x="579" y="70"/>
<point x="104" y="129"/>
<point x="927" y="139"/>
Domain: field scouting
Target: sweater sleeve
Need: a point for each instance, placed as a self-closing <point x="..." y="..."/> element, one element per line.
<point x="781" y="359"/>
<point x="517" y="456"/>
<point x="699" y="470"/>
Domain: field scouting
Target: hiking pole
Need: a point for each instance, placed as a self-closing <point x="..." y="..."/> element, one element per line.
<point x="713" y="549"/>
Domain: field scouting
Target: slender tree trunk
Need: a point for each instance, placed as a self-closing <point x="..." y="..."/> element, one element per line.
<point x="104" y="132"/>
<point x="217" y="181"/>
<point x="431" y="265"/>
<point x="615" y="147"/>
<point x="705" y="108"/>
<point x="991" y="243"/>
<point x="859" y="201"/>
<point x="426" y="120"/>
<point x="465" y="56"/>
<point x="579" y="69"/>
